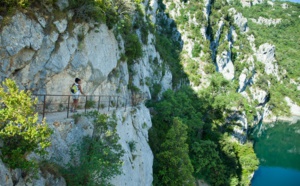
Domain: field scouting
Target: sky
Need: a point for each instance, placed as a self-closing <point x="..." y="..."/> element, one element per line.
<point x="295" y="1"/>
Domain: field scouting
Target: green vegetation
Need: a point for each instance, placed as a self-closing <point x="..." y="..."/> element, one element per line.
<point x="7" y="6"/>
<point x="285" y="37"/>
<point x="169" y="51"/>
<point x="132" y="146"/>
<point x="20" y="130"/>
<point x="174" y="164"/>
<point x="99" y="156"/>
<point x="90" y="104"/>
<point x="211" y="151"/>
<point x="109" y="11"/>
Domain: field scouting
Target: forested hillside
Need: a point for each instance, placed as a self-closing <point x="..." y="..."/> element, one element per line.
<point x="241" y="60"/>
<point x="207" y="70"/>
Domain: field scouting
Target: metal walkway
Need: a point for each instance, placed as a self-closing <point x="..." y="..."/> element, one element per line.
<point x="61" y="104"/>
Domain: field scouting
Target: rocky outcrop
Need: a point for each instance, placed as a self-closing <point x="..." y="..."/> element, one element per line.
<point x="295" y="109"/>
<point x="266" y="55"/>
<point x="249" y="3"/>
<point x="239" y="20"/>
<point x="259" y="95"/>
<point x="16" y="178"/>
<point x="37" y="60"/>
<point x="5" y="175"/>
<point x="225" y="65"/>
<point x="284" y="6"/>
<point x="133" y="127"/>
<point x="266" y="21"/>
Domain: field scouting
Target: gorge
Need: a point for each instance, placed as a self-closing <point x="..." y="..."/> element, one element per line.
<point x="200" y="75"/>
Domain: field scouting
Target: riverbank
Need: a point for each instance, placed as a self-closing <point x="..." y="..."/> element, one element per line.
<point x="292" y="119"/>
<point x="295" y="112"/>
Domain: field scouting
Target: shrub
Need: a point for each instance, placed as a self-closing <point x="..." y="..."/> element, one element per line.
<point x="209" y="68"/>
<point x="132" y="146"/>
<point x="90" y="104"/>
<point x="20" y="130"/>
<point x="100" y="156"/>
<point x="196" y="50"/>
<point x="7" y="5"/>
<point x="89" y="9"/>
<point x="155" y="90"/>
<point x="133" y="48"/>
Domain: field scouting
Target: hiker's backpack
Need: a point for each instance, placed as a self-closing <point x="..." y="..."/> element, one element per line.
<point x="74" y="89"/>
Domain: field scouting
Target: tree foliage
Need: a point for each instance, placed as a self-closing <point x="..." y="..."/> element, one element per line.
<point x="20" y="129"/>
<point x="207" y="162"/>
<point x="176" y="168"/>
<point x="212" y="153"/>
<point x="108" y="11"/>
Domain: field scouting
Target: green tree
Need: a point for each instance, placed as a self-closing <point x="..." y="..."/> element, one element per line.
<point x="175" y="168"/>
<point x="207" y="162"/>
<point x="20" y="130"/>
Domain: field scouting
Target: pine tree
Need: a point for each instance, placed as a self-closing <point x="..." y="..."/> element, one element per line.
<point x="175" y="165"/>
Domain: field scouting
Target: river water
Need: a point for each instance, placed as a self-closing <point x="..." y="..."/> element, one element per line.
<point x="278" y="148"/>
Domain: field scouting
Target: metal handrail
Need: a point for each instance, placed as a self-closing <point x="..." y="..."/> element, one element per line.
<point x="111" y="98"/>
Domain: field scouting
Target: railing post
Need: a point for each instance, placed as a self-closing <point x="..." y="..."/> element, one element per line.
<point x="108" y="103"/>
<point x="44" y="106"/>
<point x="68" y="107"/>
<point x="99" y="101"/>
<point x="117" y="101"/>
<point x="85" y="104"/>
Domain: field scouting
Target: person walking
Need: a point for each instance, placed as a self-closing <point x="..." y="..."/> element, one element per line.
<point x="76" y="91"/>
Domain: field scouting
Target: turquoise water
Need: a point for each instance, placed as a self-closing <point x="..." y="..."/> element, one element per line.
<point x="278" y="149"/>
<point x="274" y="176"/>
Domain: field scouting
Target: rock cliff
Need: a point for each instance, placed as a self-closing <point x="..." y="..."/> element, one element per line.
<point x="234" y="52"/>
<point x="44" y="52"/>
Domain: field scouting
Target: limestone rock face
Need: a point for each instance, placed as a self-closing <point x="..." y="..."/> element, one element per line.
<point x="46" y="53"/>
<point x="266" y="55"/>
<point x="295" y="109"/>
<point x="5" y="175"/>
<point x="266" y="21"/>
<point x="240" y="20"/>
<point x="259" y="95"/>
<point x="133" y="127"/>
<point x="36" y="59"/>
<point x="20" y="34"/>
<point x="15" y="178"/>
<point x="284" y="6"/>
<point x="225" y="65"/>
<point x="62" y="4"/>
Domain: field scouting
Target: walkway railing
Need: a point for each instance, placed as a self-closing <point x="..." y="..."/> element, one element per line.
<point x="59" y="103"/>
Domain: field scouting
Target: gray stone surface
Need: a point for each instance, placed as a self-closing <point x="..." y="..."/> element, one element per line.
<point x="61" y="25"/>
<point x="5" y="176"/>
<point x="62" y="4"/>
<point x="266" y="55"/>
<point x="240" y="20"/>
<point x="47" y="61"/>
<point x="225" y="65"/>
<point x="266" y="21"/>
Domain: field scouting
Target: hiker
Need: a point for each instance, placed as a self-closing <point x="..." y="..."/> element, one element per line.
<point x="76" y="90"/>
